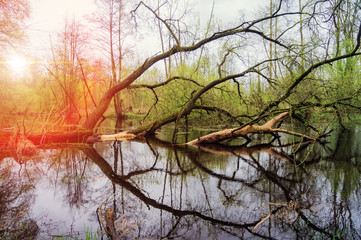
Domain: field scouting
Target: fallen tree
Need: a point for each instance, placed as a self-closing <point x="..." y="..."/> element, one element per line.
<point x="249" y="129"/>
<point x="266" y="128"/>
<point x="23" y="145"/>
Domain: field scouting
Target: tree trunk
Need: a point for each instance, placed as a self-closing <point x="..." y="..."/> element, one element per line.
<point x="210" y="138"/>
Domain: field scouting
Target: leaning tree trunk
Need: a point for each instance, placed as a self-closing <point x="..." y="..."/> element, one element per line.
<point x="94" y="117"/>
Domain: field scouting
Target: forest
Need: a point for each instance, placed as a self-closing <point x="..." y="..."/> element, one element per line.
<point x="299" y="57"/>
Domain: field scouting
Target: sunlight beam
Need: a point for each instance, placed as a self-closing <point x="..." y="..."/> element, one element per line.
<point x="18" y="64"/>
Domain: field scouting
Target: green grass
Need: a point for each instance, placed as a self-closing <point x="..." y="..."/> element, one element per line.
<point x="89" y="235"/>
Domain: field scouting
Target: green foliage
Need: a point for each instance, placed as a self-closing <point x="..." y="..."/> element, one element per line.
<point x="344" y="75"/>
<point x="175" y="95"/>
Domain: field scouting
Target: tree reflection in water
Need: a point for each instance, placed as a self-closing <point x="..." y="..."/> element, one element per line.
<point x="270" y="191"/>
<point x="226" y="191"/>
<point x="16" y="197"/>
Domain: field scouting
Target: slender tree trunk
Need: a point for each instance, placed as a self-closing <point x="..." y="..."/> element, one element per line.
<point x="301" y="36"/>
<point x="270" y="43"/>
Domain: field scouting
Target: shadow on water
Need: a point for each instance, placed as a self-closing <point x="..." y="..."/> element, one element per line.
<point x="275" y="190"/>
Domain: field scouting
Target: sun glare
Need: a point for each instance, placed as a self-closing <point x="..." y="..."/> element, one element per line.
<point x="17" y="64"/>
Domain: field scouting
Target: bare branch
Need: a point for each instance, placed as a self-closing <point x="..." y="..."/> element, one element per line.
<point x="161" y="84"/>
<point x="160" y="19"/>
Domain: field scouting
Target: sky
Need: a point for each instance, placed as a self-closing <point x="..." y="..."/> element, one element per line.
<point x="48" y="16"/>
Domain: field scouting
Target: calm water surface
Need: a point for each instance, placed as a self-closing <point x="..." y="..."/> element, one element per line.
<point x="264" y="190"/>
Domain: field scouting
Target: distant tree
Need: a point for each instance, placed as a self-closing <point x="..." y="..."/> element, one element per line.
<point x="12" y="16"/>
<point x="113" y="27"/>
<point x="66" y="69"/>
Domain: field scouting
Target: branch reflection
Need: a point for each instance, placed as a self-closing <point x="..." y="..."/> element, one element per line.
<point x="235" y="188"/>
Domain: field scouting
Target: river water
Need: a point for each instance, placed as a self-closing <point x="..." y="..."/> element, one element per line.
<point x="267" y="189"/>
